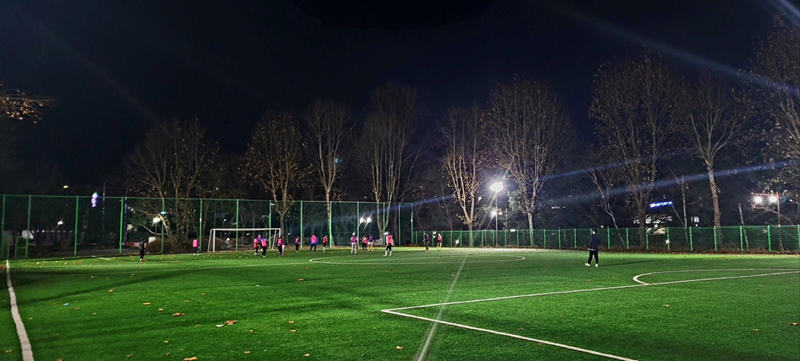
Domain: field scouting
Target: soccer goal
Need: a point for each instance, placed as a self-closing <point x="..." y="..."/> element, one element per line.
<point x="221" y="239"/>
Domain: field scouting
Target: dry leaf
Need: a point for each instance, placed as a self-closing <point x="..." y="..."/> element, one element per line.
<point x="520" y="329"/>
<point x="306" y="355"/>
<point x="185" y="301"/>
<point x="76" y="308"/>
<point x="590" y="280"/>
<point x="220" y="325"/>
<point x="251" y="331"/>
<point x="111" y="290"/>
<point x="193" y="358"/>
<point x="756" y="330"/>
<point x="291" y="321"/>
<point x="247" y="352"/>
<point x="160" y="310"/>
<point x="196" y="325"/>
<point x="664" y="305"/>
<point x="231" y="322"/>
<point x="94" y="313"/>
<point x="176" y="314"/>
<point x="399" y="347"/>
<point x="794" y="323"/>
<point x="293" y="331"/>
<point x="9" y="351"/>
<point x="302" y="279"/>
<point x="203" y="294"/>
<point x="146" y="303"/>
<point x="169" y="353"/>
<point x="92" y="277"/>
<point x="167" y="341"/>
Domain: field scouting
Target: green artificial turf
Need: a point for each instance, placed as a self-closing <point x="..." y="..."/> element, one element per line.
<point x="171" y="307"/>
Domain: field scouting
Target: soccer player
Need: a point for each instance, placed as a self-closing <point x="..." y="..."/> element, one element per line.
<point x="313" y="243"/>
<point x="280" y="246"/>
<point x="264" y="244"/>
<point x="427" y="241"/>
<point x="256" y="244"/>
<point x="324" y="243"/>
<point x="389" y="244"/>
<point x="353" y="244"/>
<point x="370" y="242"/>
<point x="142" y="246"/>
<point x="297" y="244"/>
<point x="364" y="243"/>
<point x="196" y="246"/>
<point x="594" y="245"/>
<point x="438" y="241"/>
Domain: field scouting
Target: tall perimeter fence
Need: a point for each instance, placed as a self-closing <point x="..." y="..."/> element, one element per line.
<point x="58" y="226"/>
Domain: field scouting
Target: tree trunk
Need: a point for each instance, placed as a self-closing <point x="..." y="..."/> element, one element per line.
<point x="715" y="199"/>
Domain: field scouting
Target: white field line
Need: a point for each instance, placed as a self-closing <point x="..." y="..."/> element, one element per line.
<point x="25" y="344"/>
<point x="432" y="330"/>
<point x="323" y="260"/>
<point x="103" y="258"/>
<point x="394" y="311"/>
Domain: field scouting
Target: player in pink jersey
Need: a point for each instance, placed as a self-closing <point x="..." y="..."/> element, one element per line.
<point x="389" y="245"/>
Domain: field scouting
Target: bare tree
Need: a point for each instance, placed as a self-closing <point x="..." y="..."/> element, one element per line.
<point x="531" y="134"/>
<point x="17" y="104"/>
<point x="777" y="64"/>
<point x="465" y="159"/>
<point x="394" y="114"/>
<point x="274" y="160"/>
<point x="712" y="118"/>
<point x="172" y="161"/>
<point x="329" y="125"/>
<point x="634" y="103"/>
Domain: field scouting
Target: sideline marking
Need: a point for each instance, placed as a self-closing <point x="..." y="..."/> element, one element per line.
<point x="432" y="329"/>
<point x="25" y="344"/>
<point x="393" y="311"/>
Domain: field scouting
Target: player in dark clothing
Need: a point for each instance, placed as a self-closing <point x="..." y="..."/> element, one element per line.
<point x="142" y="246"/>
<point x="427" y="241"/>
<point x="594" y="245"/>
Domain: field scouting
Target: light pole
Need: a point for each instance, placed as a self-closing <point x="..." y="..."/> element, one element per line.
<point x="496" y="188"/>
<point x="768" y="199"/>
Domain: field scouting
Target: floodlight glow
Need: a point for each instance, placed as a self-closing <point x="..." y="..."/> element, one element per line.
<point x="369" y="219"/>
<point x="496" y="186"/>
<point x="66" y="186"/>
<point x="773" y="199"/>
<point x="362" y="220"/>
<point x="494" y="213"/>
<point x="758" y="199"/>
<point x="94" y="200"/>
<point x="156" y="220"/>
<point x="60" y="223"/>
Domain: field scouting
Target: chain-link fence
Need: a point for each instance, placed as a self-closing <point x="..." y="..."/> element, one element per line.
<point x="50" y="226"/>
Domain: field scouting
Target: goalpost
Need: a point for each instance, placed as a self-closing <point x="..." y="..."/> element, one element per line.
<point x="226" y="238"/>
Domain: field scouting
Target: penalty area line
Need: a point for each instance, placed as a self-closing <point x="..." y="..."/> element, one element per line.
<point x="25" y="343"/>
<point x="573" y="348"/>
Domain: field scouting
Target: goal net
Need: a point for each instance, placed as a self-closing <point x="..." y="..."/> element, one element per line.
<point x="224" y="239"/>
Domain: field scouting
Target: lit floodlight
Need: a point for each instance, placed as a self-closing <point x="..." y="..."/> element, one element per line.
<point x="369" y="219"/>
<point x="156" y="220"/>
<point x="60" y="223"/>
<point x="496" y="187"/>
<point x="494" y="213"/>
<point x="362" y="220"/>
<point x="773" y="199"/>
<point x="758" y="199"/>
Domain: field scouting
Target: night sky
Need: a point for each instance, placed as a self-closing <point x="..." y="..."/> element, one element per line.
<point x="119" y="66"/>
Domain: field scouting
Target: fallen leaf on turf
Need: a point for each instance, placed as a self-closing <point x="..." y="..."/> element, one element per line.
<point x="93" y="277"/>
<point x="169" y="353"/>
<point x="193" y="358"/>
<point x="231" y="322"/>
<point x="452" y="275"/>
<point x="220" y="325"/>
<point x="76" y="308"/>
<point x="399" y="347"/>
<point x="167" y="341"/>
<point x="9" y="351"/>
<point x="160" y="310"/>
<point x="664" y="305"/>
<point x="94" y="313"/>
<point x="291" y="321"/>
<point x="308" y="354"/>
<point x="111" y="290"/>
<point x="196" y="325"/>
<point x="30" y="318"/>
<point x="247" y="352"/>
<point x="520" y="329"/>
<point x="185" y="301"/>
<point x="177" y="314"/>
<point x="794" y="323"/>
<point x="202" y="294"/>
<point x="756" y="330"/>
<point x="302" y="279"/>
<point x="251" y="331"/>
<point x="293" y="331"/>
<point x="590" y="280"/>
<point x="146" y="303"/>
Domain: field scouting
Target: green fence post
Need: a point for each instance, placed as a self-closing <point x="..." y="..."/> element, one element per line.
<point x="741" y="240"/>
<point x="669" y="249"/>
<point x="200" y="227"/>
<point x="574" y="238"/>
<point x="30" y="233"/>
<point x="691" y="240"/>
<point x="121" y="222"/>
<point x="627" y="238"/>
<point x="608" y="237"/>
<point x="559" y="238"/>
<point x="798" y="237"/>
<point x="237" y="226"/>
<point x="517" y="238"/>
<point x="715" y="238"/>
<point x="302" y="226"/>
<point x="544" y="236"/>
<point x="75" y="235"/>
<point x="646" y="240"/>
<point x="505" y="238"/>
<point x="769" y="240"/>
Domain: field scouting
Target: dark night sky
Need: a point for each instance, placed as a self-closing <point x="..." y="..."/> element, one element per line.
<point x="118" y="66"/>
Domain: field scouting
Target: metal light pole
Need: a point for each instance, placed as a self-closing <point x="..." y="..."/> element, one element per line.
<point x="496" y="188"/>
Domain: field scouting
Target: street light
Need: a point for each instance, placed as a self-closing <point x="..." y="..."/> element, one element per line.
<point x="769" y="199"/>
<point x="496" y="188"/>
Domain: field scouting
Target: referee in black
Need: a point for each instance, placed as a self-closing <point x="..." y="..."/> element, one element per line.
<point x="594" y="244"/>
